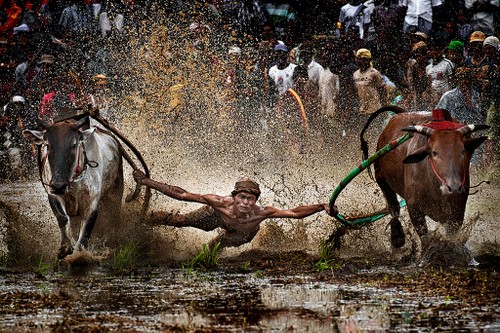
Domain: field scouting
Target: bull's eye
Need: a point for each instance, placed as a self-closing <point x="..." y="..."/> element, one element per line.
<point x="434" y="153"/>
<point x="74" y="146"/>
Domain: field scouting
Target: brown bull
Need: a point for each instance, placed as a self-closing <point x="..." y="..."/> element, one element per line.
<point x="430" y="171"/>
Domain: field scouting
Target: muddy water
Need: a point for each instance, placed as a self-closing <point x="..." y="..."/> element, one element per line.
<point x="173" y="300"/>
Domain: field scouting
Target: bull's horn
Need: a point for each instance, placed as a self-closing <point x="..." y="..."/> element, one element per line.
<point x="41" y="123"/>
<point x="419" y="129"/>
<point x="80" y="122"/>
<point x="467" y="129"/>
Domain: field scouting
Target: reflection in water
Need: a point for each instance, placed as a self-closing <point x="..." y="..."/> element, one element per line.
<point x="363" y="318"/>
<point x="177" y="300"/>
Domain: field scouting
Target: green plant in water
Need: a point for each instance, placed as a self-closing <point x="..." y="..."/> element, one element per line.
<point x="125" y="256"/>
<point x="207" y="258"/>
<point x="43" y="267"/>
<point x="246" y="265"/>
<point x="326" y="260"/>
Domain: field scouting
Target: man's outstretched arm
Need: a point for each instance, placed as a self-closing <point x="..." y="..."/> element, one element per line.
<point x="298" y="212"/>
<point x="172" y="191"/>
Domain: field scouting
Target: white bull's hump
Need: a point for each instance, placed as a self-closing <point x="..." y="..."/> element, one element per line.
<point x="105" y="151"/>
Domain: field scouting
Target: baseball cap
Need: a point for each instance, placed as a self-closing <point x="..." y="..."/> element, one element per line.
<point x="492" y="41"/>
<point x="477" y="36"/>
<point x="234" y="50"/>
<point x="363" y="53"/>
<point x="456" y="45"/>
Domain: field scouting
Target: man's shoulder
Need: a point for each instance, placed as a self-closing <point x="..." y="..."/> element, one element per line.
<point x="374" y="71"/>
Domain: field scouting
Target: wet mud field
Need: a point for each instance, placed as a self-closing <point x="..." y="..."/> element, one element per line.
<point x="268" y="295"/>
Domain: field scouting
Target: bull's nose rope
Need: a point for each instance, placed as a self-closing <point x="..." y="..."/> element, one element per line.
<point x="364" y="220"/>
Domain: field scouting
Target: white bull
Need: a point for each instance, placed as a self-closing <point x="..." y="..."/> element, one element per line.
<point x="82" y="172"/>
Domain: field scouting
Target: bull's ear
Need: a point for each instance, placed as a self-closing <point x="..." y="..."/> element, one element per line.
<point x="84" y="135"/>
<point x="472" y="144"/>
<point x="35" y="136"/>
<point x="417" y="155"/>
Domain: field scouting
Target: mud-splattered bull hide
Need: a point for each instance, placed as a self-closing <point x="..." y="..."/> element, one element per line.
<point x="430" y="171"/>
<point x="82" y="172"/>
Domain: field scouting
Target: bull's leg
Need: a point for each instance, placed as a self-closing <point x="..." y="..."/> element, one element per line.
<point x="397" y="232"/>
<point x="86" y="231"/>
<point x="64" y="226"/>
<point x="418" y="221"/>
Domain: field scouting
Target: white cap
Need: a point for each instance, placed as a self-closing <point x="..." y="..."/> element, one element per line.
<point x="18" y="99"/>
<point x="234" y="50"/>
<point x="492" y="41"/>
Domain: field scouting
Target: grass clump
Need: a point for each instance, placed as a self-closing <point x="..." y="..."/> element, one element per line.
<point x="326" y="258"/>
<point x="125" y="256"/>
<point x="43" y="267"/>
<point x="207" y="258"/>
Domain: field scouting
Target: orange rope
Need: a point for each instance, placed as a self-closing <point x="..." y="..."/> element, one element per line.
<point x="302" y="111"/>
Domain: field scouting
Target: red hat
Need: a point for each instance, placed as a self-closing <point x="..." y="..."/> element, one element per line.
<point x="442" y="121"/>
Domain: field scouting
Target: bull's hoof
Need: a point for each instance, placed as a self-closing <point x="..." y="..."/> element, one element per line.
<point x="64" y="251"/>
<point x="397" y="233"/>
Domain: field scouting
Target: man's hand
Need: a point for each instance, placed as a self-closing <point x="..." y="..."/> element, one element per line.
<point x="331" y="213"/>
<point x="139" y="176"/>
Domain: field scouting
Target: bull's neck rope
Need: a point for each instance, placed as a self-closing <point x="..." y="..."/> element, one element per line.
<point x="79" y="170"/>
<point x="443" y="183"/>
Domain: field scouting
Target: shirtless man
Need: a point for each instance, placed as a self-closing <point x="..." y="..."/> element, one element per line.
<point x="238" y="215"/>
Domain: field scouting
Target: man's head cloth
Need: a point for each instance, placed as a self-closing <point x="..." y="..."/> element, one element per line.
<point x="246" y="185"/>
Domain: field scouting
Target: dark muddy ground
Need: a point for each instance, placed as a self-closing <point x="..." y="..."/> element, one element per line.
<point x="254" y="293"/>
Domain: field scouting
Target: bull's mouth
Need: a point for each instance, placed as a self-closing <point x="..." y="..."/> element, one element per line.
<point x="450" y="191"/>
<point x="58" y="188"/>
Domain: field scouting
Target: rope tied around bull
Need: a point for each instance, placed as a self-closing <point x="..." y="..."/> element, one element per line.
<point x="86" y="161"/>
<point x="487" y="182"/>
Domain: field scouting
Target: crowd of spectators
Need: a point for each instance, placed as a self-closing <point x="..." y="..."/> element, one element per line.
<point x="356" y="55"/>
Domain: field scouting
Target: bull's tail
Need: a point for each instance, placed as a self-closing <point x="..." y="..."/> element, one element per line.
<point x="364" y="144"/>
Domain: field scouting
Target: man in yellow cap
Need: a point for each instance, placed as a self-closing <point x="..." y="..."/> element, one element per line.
<point x="476" y="54"/>
<point x="238" y="214"/>
<point x="369" y="84"/>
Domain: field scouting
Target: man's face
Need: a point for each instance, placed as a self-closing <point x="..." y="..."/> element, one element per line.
<point x="244" y="202"/>
<point x="363" y="63"/>
<point x="476" y="48"/>
<point x="489" y="51"/>
<point x="455" y="56"/>
<point x="282" y="58"/>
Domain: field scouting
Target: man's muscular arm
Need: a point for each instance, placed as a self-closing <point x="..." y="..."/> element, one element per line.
<point x="297" y="212"/>
<point x="172" y="191"/>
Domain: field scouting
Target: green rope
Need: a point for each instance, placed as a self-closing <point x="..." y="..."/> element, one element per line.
<point x="365" y="220"/>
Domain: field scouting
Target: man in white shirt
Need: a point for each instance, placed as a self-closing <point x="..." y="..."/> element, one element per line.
<point x="439" y="70"/>
<point x="353" y="14"/>
<point x="419" y="14"/>
<point x="282" y="73"/>
<point x="483" y="15"/>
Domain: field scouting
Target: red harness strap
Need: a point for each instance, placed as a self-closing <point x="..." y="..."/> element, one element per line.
<point x="443" y="183"/>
